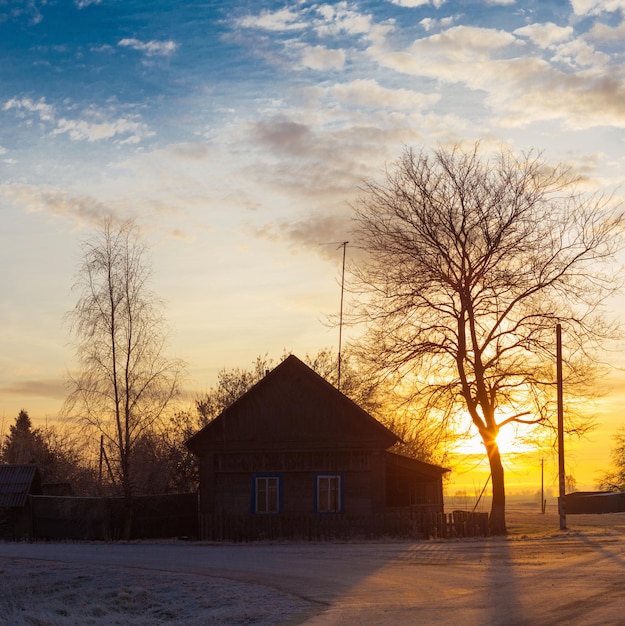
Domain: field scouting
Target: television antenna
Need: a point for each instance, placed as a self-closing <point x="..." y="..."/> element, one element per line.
<point x="340" y="244"/>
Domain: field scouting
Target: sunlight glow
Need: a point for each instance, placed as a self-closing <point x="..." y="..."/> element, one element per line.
<point x="511" y="440"/>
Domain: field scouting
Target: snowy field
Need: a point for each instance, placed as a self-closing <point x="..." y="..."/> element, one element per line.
<point x="540" y="575"/>
<point x="44" y="593"/>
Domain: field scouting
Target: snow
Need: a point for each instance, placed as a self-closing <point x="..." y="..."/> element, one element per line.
<point x="537" y="575"/>
<point x="50" y="593"/>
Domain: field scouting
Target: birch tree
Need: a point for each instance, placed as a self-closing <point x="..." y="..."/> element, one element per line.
<point x="125" y="381"/>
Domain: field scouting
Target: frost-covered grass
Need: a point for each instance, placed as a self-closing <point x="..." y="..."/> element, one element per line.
<point x="40" y="593"/>
<point x="532" y="524"/>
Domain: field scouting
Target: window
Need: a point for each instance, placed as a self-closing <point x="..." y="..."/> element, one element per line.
<point x="267" y="494"/>
<point x="329" y="497"/>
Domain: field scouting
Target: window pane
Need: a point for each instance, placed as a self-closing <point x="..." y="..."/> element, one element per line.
<point x="267" y="494"/>
<point x="328" y="494"/>
<point x="272" y="495"/>
<point x="333" y="501"/>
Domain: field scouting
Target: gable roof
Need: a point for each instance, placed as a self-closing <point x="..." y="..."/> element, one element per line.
<point x="292" y="404"/>
<point x="16" y="483"/>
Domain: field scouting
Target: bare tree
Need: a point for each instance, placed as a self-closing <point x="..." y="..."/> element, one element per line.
<point x="125" y="382"/>
<point x="614" y="478"/>
<point x="468" y="264"/>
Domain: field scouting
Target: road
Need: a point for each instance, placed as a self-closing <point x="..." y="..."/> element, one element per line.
<point x="536" y="577"/>
<point x="569" y="577"/>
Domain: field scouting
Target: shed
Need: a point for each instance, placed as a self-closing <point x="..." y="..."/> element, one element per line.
<point x="295" y="445"/>
<point x="17" y="483"/>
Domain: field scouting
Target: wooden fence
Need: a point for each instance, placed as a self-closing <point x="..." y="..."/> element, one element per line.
<point x="393" y="523"/>
<point x="160" y="516"/>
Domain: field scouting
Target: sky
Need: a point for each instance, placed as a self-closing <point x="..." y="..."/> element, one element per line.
<point x="238" y="135"/>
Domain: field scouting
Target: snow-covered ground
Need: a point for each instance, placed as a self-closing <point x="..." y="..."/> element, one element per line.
<point x="46" y="593"/>
<point x="537" y="575"/>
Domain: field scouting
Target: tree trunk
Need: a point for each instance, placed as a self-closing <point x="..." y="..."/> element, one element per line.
<point x="497" y="519"/>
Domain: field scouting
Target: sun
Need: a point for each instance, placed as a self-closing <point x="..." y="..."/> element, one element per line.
<point x="510" y="441"/>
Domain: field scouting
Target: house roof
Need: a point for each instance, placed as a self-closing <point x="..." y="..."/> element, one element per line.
<point x="16" y="483"/>
<point x="293" y="405"/>
<point x="401" y="463"/>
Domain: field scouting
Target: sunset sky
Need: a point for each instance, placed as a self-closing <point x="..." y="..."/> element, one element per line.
<point x="237" y="134"/>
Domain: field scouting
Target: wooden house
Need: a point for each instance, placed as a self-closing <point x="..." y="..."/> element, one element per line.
<point x="294" y="445"/>
<point x="17" y="483"/>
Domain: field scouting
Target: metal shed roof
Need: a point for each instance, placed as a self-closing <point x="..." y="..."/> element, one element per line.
<point x="16" y="483"/>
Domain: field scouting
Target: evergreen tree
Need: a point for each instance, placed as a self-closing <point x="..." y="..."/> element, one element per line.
<point x="24" y="444"/>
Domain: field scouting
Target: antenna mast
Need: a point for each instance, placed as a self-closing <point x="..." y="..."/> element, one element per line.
<point x="344" y="246"/>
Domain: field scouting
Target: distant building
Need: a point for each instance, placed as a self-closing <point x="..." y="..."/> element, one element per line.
<point x="294" y="445"/>
<point x="17" y="483"/>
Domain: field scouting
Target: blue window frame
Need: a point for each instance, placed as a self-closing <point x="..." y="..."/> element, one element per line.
<point x="266" y="493"/>
<point x="329" y="493"/>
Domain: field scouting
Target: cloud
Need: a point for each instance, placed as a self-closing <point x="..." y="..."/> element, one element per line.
<point x="45" y="388"/>
<point x="282" y="20"/>
<point x="284" y="135"/>
<point x="368" y="93"/>
<point x="92" y="125"/>
<point x="44" y="111"/>
<point x="518" y="89"/>
<point x="81" y="4"/>
<point x="132" y="130"/>
<point x="314" y="231"/>
<point x="333" y="20"/>
<point x="602" y="33"/>
<point x="413" y="4"/>
<point x="447" y="53"/>
<point x="29" y="9"/>
<point x="60" y="203"/>
<point x="545" y="35"/>
<point x="429" y="23"/>
<point x="150" y="48"/>
<point x="597" y="7"/>
<point x="579" y="54"/>
<point x="321" y="58"/>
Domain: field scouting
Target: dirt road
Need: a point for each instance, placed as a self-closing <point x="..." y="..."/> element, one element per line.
<point x="533" y="577"/>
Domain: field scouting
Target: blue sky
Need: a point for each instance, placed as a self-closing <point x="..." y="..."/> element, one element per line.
<point x="237" y="135"/>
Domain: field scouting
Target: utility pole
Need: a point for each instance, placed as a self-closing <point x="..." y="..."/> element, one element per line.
<point x="561" y="475"/>
<point x="542" y="485"/>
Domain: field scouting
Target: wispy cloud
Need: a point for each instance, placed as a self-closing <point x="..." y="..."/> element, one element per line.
<point x="368" y="93"/>
<point x="93" y="124"/>
<point x="596" y="7"/>
<point x="281" y="20"/>
<point x="150" y="48"/>
<point x="418" y="3"/>
<point x="35" y="199"/>
<point x="24" y="106"/>
<point x="52" y="388"/>
<point x="128" y="130"/>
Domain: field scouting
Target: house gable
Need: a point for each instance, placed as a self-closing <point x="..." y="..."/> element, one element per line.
<point x="290" y="406"/>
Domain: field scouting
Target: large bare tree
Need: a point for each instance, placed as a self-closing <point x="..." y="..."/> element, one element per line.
<point x="468" y="264"/>
<point x="124" y="381"/>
